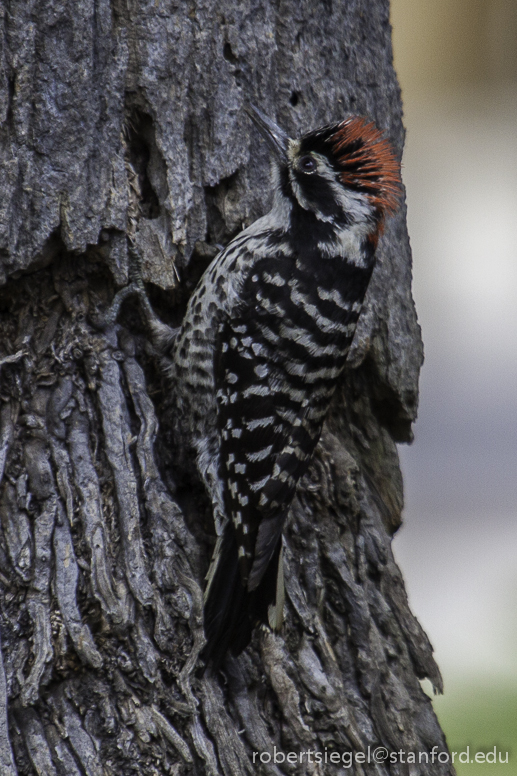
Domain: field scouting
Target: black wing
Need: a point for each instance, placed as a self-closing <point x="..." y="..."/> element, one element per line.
<point x="277" y="362"/>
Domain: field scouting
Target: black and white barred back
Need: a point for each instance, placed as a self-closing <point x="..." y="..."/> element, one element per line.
<point x="264" y="340"/>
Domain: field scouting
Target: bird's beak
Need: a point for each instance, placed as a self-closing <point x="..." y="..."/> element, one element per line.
<point x="276" y="137"/>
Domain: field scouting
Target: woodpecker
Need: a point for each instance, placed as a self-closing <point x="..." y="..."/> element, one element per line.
<point x="262" y="345"/>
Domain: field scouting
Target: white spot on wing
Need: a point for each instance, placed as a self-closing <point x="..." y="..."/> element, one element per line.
<point x="251" y="425"/>
<point x="254" y="486"/>
<point x="261" y="371"/>
<point x="260" y="455"/>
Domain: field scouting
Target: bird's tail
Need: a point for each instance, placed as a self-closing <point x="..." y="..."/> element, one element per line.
<point x="231" y="610"/>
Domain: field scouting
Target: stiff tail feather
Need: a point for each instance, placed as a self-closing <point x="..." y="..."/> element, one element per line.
<point x="231" y="610"/>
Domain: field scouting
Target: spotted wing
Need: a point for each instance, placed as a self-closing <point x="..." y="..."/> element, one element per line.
<point x="276" y="369"/>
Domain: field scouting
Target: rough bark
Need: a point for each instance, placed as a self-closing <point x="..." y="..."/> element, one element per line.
<point x="125" y="119"/>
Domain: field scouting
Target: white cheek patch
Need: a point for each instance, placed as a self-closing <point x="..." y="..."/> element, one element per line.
<point x="297" y="191"/>
<point x="348" y="243"/>
<point x="354" y="203"/>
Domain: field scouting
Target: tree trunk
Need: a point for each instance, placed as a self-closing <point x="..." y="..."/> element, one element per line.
<point x="124" y="120"/>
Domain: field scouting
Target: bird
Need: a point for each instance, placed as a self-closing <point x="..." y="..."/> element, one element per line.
<point x="261" y="348"/>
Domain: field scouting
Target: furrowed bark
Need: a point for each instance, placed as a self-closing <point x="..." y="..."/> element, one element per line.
<point x="123" y="123"/>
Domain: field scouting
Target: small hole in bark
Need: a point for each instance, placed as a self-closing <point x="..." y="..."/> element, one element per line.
<point x="294" y="99"/>
<point x="228" y="54"/>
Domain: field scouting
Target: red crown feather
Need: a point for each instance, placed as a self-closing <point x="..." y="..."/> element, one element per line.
<point x="367" y="162"/>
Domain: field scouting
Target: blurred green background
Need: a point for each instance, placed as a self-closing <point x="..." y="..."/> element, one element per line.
<point x="457" y="65"/>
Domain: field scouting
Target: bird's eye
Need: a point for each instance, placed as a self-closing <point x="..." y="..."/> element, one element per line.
<point x="307" y="164"/>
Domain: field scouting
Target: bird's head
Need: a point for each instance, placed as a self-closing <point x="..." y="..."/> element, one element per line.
<point x="341" y="171"/>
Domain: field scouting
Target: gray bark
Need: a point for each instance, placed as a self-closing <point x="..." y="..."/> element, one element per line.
<point x="125" y="119"/>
